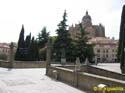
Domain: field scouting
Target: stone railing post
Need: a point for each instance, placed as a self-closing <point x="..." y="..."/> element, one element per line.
<point x="77" y="68"/>
<point x="11" y="55"/>
<point x="48" y="55"/>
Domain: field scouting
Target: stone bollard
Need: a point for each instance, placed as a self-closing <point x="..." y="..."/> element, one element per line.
<point x="78" y="64"/>
<point x="11" y="55"/>
<point x="55" y="74"/>
<point x="87" y="61"/>
<point x="77" y="68"/>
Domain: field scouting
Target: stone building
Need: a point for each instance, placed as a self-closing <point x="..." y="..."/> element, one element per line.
<point x="105" y="49"/>
<point x="90" y="29"/>
<point x="4" y="48"/>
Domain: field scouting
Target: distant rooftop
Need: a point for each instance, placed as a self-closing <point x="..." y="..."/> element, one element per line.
<point x="4" y="45"/>
<point x="103" y="40"/>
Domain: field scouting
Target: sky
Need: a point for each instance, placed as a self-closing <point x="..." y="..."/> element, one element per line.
<point x="35" y="14"/>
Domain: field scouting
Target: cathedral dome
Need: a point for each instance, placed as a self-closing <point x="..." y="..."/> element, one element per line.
<point x="86" y="20"/>
<point x="87" y="16"/>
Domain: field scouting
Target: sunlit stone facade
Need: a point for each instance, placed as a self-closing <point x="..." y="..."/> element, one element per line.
<point x="90" y="29"/>
<point x="105" y="49"/>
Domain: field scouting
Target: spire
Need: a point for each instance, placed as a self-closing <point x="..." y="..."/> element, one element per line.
<point x="22" y="26"/>
<point x="86" y="12"/>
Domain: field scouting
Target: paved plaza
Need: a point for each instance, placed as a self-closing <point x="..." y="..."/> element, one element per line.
<point x="31" y="81"/>
<point x="35" y="81"/>
<point x="115" y="67"/>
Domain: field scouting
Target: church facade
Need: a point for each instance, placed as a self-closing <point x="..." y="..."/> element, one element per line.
<point x="105" y="49"/>
<point x="91" y="30"/>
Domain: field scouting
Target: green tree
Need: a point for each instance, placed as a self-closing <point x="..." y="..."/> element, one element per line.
<point x="71" y="51"/>
<point x="33" y="51"/>
<point x="28" y="40"/>
<point x="83" y="49"/>
<point x="63" y="39"/>
<point x="121" y="45"/>
<point x="27" y="46"/>
<point x="42" y="39"/>
<point x="21" y="45"/>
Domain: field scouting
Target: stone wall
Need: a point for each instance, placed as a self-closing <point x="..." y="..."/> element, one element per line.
<point x="4" y="63"/>
<point x="23" y="64"/>
<point x="99" y="71"/>
<point x="30" y="64"/>
<point x="65" y="75"/>
<point x="102" y="72"/>
<point x="83" y="80"/>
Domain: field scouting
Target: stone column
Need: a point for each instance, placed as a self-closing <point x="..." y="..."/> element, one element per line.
<point x="78" y="64"/>
<point x="77" y="68"/>
<point x="11" y="55"/>
<point x="75" y="83"/>
<point x="48" y="56"/>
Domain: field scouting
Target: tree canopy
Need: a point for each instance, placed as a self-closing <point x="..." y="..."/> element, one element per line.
<point x="63" y="39"/>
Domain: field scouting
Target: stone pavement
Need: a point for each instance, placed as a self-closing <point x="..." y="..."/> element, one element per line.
<point x="31" y="81"/>
<point x="115" y="67"/>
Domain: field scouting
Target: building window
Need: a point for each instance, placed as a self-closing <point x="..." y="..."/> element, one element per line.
<point x="107" y="51"/>
<point x="98" y="50"/>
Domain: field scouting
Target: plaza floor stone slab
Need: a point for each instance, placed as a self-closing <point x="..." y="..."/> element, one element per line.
<point x="31" y="81"/>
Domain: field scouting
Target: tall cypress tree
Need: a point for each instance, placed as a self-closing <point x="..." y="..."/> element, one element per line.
<point x="33" y="54"/>
<point x="121" y="46"/>
<point x="27" y="46"/>
<point x="21" y="44"/>
<point x="28" y="40"/>
<point x="63" y="38"/>
<point x="37" y="58"/>
<point x="32" y="50"/>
